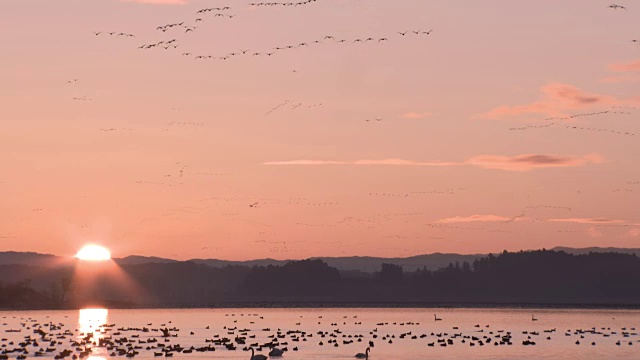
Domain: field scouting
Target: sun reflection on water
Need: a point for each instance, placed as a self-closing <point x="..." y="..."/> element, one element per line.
<point x="90" y="321"/>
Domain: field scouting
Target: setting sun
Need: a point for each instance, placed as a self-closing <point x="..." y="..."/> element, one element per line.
<point x="94" y="253"/>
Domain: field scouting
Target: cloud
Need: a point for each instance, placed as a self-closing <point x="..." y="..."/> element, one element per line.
<point x="525" y="162"/>
<point x="474" y="218"/>
<point x="623" y="78"/>
<point x="633" y="233"/>
<point x="392" y="162"/>
<point x="529" y="162"/>
<point x="628" y="72"/>
<point x="625" y="67"/>
<point x="520" y="163"/>
<point x="593" y="221"/>
<point x="415" y="115"/>
<point x="557" y="98"/>
<point x="594" y="232"/>
<point x="305" y="162"/>
<point x="159" y="2"/>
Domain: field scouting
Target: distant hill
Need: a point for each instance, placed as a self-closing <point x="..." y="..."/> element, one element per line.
<point x="525" y="278"/>
<point x="27" y="258"/>
<point x="137" y="260"/>
<point x="584" y="251"/>
<point x="250" y="263"/>
<point x="359" y="263"/>
<point x="372" y="264"/>
<point x="353" y="263"/>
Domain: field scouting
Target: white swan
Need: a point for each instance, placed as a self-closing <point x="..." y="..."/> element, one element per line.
<point x="363" y="356"/>
<point x="257" y="357"/>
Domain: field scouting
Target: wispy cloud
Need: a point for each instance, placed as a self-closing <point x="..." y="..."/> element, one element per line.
<point x="592" y="221"/>
<point x="529" y="162"/>
<point x="474" y="218"/>
<point x="621" y="78"/>
<point x="632" y="233"/>
<point x="521" y="163"/>
<point x="416" y="115"/>
<point x="594" y="232"/>
<point x="557" y="99"/>
<point x="628" y="72"/>
<point x="625" y="67"/>
<point x="392" y="162"/>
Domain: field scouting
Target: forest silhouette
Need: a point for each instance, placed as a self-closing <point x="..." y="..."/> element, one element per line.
<point x="531" y="278"/>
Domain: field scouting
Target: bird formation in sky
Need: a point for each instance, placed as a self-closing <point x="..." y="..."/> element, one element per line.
<point x="617" y="7"/>
<point x="586" y="128"/>
<point x="186" y="123"/>
<point x="627" y="133"/>
<point x="113" y="33"/>
<point x="450" y="191"/>
<point x="208" y="10"/>
<point x="115" y="129"/>
<point x="532" y="127"/>
<point x="575" y="116"/>
<point x="176" y="32"/>
<point x="292" y="105"/>
<point x="549" y="207"/>
<point x="305" y="44"/>
<point x="283" y="4"/>
<point x="168" y="44"/>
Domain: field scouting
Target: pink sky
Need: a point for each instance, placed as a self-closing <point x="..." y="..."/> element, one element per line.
<point x="161" y="154"/>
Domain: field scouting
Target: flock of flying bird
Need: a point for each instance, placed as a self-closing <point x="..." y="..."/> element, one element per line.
<point x="304" y="44"/>
<point x="113" y="33"/>
<point x="267" y="4"/>
<point x="585" y="128"/>
<point x="288" y="104"/>
<point x="291" y="105"/>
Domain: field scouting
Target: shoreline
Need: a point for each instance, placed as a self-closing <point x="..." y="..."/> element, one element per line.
<point x="285" y="305"/>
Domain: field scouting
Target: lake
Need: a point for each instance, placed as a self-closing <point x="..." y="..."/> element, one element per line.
<point x="351" y="329"/>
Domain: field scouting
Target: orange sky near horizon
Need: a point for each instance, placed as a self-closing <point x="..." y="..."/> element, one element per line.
<point x="512" y="125"/>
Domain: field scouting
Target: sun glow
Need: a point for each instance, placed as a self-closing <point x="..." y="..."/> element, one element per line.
<point x="94" y="253"/>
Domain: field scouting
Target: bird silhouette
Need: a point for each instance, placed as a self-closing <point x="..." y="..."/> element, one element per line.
<point x="364" y="355"/>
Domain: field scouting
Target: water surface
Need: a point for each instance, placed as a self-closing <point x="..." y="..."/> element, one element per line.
<point x="602" y="327"/>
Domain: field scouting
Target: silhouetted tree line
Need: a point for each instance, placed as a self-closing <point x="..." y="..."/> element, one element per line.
<point x="533" y="277"/>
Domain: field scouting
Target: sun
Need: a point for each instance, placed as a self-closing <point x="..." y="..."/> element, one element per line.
<point x="93" y="253"/>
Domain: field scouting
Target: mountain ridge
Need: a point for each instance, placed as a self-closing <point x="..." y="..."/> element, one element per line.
<point x="367" y="264"/>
